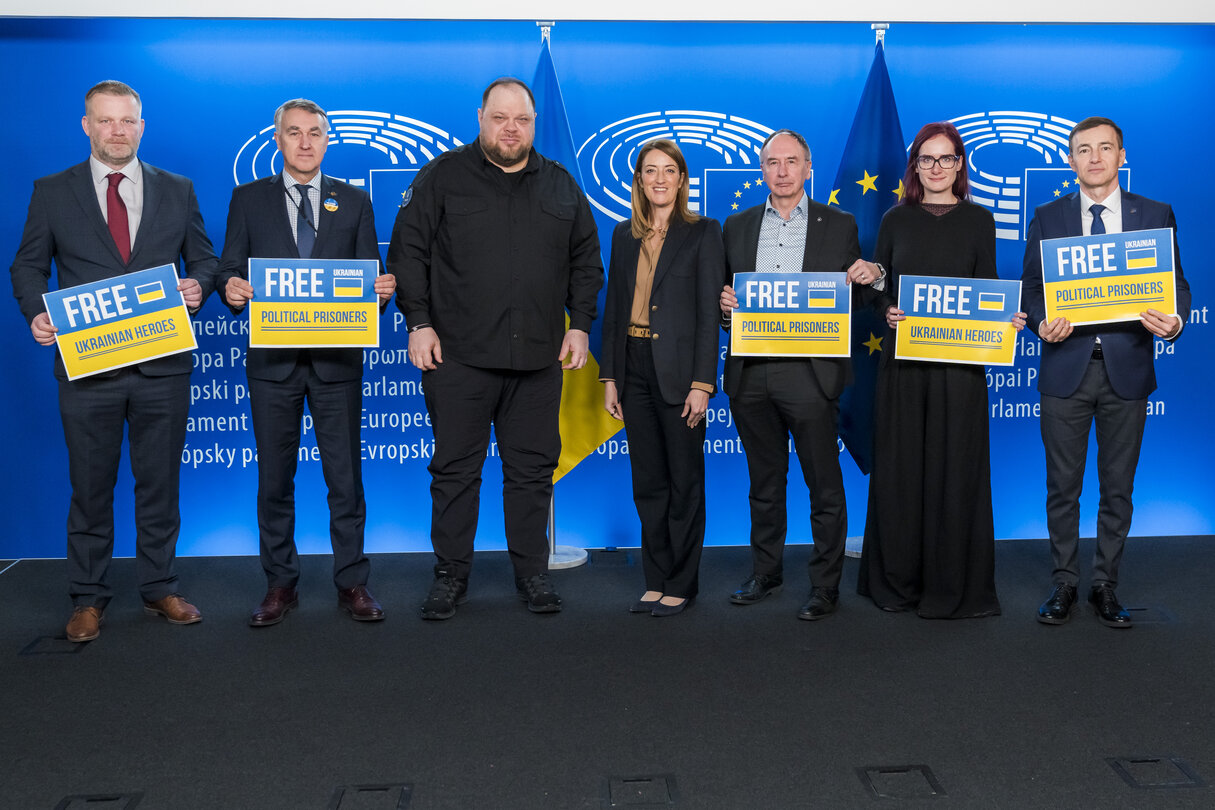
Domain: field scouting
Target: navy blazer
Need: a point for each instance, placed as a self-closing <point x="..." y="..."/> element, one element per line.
<point x="258" y="228"/>
<point x="832" y="245"/>
<point x="65" y="224"/>
<point x="1127" y="347"/>
<point x="684" y="309"/>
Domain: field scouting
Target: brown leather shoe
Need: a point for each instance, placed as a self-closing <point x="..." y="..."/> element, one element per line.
<point x="362" y="606"/>
<point x="174" y="608"/>
<point x="274" y="607"/>
<point x="85" y="624"/>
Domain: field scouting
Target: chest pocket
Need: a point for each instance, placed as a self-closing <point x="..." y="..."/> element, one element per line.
<point x="556" y="222"/>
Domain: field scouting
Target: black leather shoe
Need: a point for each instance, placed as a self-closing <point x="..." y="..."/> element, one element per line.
<point x="643" y="606"/>
<point x="661" y="610"/>
<point x="822" y="603"/>
<point x="274" y="607"/>
<point x="445" y="593"/>
<point x="756" y="588"/>
<point x="539" y="594"/>
<point x="1109" y="612"/>
<point x="1057" y="608"/>
<point x="360" y="604"/>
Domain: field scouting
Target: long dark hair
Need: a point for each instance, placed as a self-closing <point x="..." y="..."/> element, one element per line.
<point x="913" y="190"/>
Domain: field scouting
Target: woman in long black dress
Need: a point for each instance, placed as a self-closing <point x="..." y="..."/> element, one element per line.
<point x="929" y="536"/>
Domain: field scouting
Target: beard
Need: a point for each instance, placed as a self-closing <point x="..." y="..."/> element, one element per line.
<point x="505" y="157"/>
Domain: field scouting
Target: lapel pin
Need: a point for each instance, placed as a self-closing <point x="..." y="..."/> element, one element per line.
<point x="330" y="204"/>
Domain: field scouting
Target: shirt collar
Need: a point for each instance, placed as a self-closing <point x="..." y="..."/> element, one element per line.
<point x="133" y="171"/>
<point x="800" y="208"/>
<point x="291" y="182"/>
<point x="1112" y="203"/>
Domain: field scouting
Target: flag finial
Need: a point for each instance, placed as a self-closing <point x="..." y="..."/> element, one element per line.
<point x="546" y="28"/>
<point x="879" y="32"/>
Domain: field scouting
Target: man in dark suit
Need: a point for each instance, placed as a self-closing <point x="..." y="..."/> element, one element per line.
<point x="1102" y="373"/>
<point x="111" y="215"/>
<point x="301" y="213"/>
<point x="773" y="398"/>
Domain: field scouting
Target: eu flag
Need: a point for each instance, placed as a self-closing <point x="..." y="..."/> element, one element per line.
<point x="584" y="423"/>
<point x="869" y="182"/>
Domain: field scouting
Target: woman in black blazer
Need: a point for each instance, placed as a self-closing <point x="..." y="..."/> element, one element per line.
<point x="660" y="349"/>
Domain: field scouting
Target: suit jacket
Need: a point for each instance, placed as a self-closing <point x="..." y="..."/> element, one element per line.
<point x="832" y="246"/>
<point x="684" y="310"/>
<point x="258" y="228"/>
<point x="65" y="224"/>
<point x="1128" y="348"/>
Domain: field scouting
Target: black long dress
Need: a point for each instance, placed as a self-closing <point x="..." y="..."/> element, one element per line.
<point x="929" y="536"/>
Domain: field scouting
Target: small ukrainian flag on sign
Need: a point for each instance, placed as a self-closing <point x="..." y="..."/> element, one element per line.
<point x="820" y="299"/>
<point x="992" y="302"/>
<point x="147" y="293"/>
<point x="348" y="288"/>
<point x="1140" y="258"/>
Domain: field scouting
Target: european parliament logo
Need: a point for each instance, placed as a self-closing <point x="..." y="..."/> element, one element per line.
<point x="722" y="152"/>
<point x="377" y="151"/>
<point x="1018" y="161"/>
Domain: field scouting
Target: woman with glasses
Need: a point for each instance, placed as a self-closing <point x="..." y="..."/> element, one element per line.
<point x="929" y="537"/>
<point x="659" y="367"/>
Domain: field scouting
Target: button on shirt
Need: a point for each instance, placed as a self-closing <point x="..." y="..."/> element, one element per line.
<point x="782" y="243"/>
<point x="130" y="190"/>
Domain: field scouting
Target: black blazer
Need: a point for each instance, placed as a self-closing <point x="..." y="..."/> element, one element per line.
<point x="832" y="245"/>
<point x="65" y="224"/>
<point x="684" y="310"/>
<point x="1128" y="348"/>
<point x="258" y="228"/>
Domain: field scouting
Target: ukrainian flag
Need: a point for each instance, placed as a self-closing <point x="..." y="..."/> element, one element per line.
<point x="992" y="302"/>
<point x="820" y="299"/>
<point x="1141" y="258"/>
<point x="147" y="293"/>
<point x="348" y="288"/>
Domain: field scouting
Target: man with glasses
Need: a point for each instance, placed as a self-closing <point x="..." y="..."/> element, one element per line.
<point x="1094" y="373"/>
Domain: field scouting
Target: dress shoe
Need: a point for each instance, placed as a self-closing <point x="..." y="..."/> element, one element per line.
<point x="1057" y="608"/>
<point x="643" y="605"/>
<point x="361" y="605"/>
<point x="756" y="588"/>
<point x="1109" y="612"/>
<point x="445" y="593"/>
<point x="539" y="593"/>
<point x="661" y="609"/>
<point x="174" y="608"/>
<point x="822" y="603"/>
<point x="274" y="607"/>
<point x="85" y="624"/>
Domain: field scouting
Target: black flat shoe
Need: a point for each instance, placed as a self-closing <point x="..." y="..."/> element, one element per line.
<point x="661" y="610"/>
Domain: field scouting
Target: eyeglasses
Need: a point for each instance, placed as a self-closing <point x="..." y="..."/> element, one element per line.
<point x="926" y="162"/>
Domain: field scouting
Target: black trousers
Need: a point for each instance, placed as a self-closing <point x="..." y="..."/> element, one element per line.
<point x="336" y="408"/>
<point x="775" y="399"/>
<point x="1066" y="422"/>
<point x="523" y="407"/>
<point x="95" y="411"/>
<point x="668" y="462"/>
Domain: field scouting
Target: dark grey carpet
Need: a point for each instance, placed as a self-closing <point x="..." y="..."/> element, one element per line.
<point x="499" y="709"/>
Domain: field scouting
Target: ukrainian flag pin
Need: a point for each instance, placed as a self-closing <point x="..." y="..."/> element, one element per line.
<point x="330" y="204"/>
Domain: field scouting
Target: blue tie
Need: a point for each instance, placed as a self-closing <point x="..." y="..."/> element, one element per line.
<point x="1098" y="225"/>
<point x="305" y="231"/>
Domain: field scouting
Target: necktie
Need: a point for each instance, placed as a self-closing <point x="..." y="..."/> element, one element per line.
<point x="116" y="216"/>
<point x="1098" y="225"/>
<point x="305" y="232"/>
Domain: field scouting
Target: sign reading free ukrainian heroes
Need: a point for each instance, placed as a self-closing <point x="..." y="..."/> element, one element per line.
<point x="120" y="321"/>
<point x="313" y="303"/>
<point x="1109" y="277"/>
<point x="958" y="320"/>
<point x="791" y="315"/>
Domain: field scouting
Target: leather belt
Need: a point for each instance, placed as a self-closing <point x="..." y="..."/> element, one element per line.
<point x="1097" y="353"/>
<point x="639" y="331"/>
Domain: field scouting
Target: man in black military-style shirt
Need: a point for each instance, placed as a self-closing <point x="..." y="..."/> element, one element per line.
<point x="494" y="245"/>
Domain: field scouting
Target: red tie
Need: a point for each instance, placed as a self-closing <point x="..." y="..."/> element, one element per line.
<point x="116" y="213"/>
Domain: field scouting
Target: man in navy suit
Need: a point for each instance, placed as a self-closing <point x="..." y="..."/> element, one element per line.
<point x="1099" y="373"/>
<point x="111" y="215"/>
<point x="301" y="213"/>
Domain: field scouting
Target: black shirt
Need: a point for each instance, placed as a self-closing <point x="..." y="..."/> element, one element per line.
<point x="492" y="260"/>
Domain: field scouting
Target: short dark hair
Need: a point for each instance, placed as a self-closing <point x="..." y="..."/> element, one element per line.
<point x="913" y="189"/>
<point x="795" y="136"/>
<point x="299" y="104"/>
<point x="111" y="87"/>
<point x="504" y="81"/>
<point x="1092" y="122"/>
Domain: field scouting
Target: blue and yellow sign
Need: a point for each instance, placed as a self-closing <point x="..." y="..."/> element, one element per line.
<point x="1109" y="277"/>
<point x="791" y="315"/>
<point x="957" y="320"/>
<point x="313" y="303"/>
<point x="120" y="321"/>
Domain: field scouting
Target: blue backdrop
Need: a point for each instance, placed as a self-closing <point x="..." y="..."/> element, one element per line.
<point x="401" y="91"/>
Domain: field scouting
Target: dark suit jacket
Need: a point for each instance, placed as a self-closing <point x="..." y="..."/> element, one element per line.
<point x="65" y="224"/>
<point x="684" y="311"/>
<point x="258" y="228"/>
<point x="832" y="246"/>
<point x="1127" y="347"/>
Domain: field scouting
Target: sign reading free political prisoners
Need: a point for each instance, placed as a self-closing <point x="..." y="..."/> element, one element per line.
<point x="313" y="303"/>
<point x="958" y="320"/>
<point x="791" y="315"/>
<point x="1109" y="277"/>
<point x="120" y="321"/>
